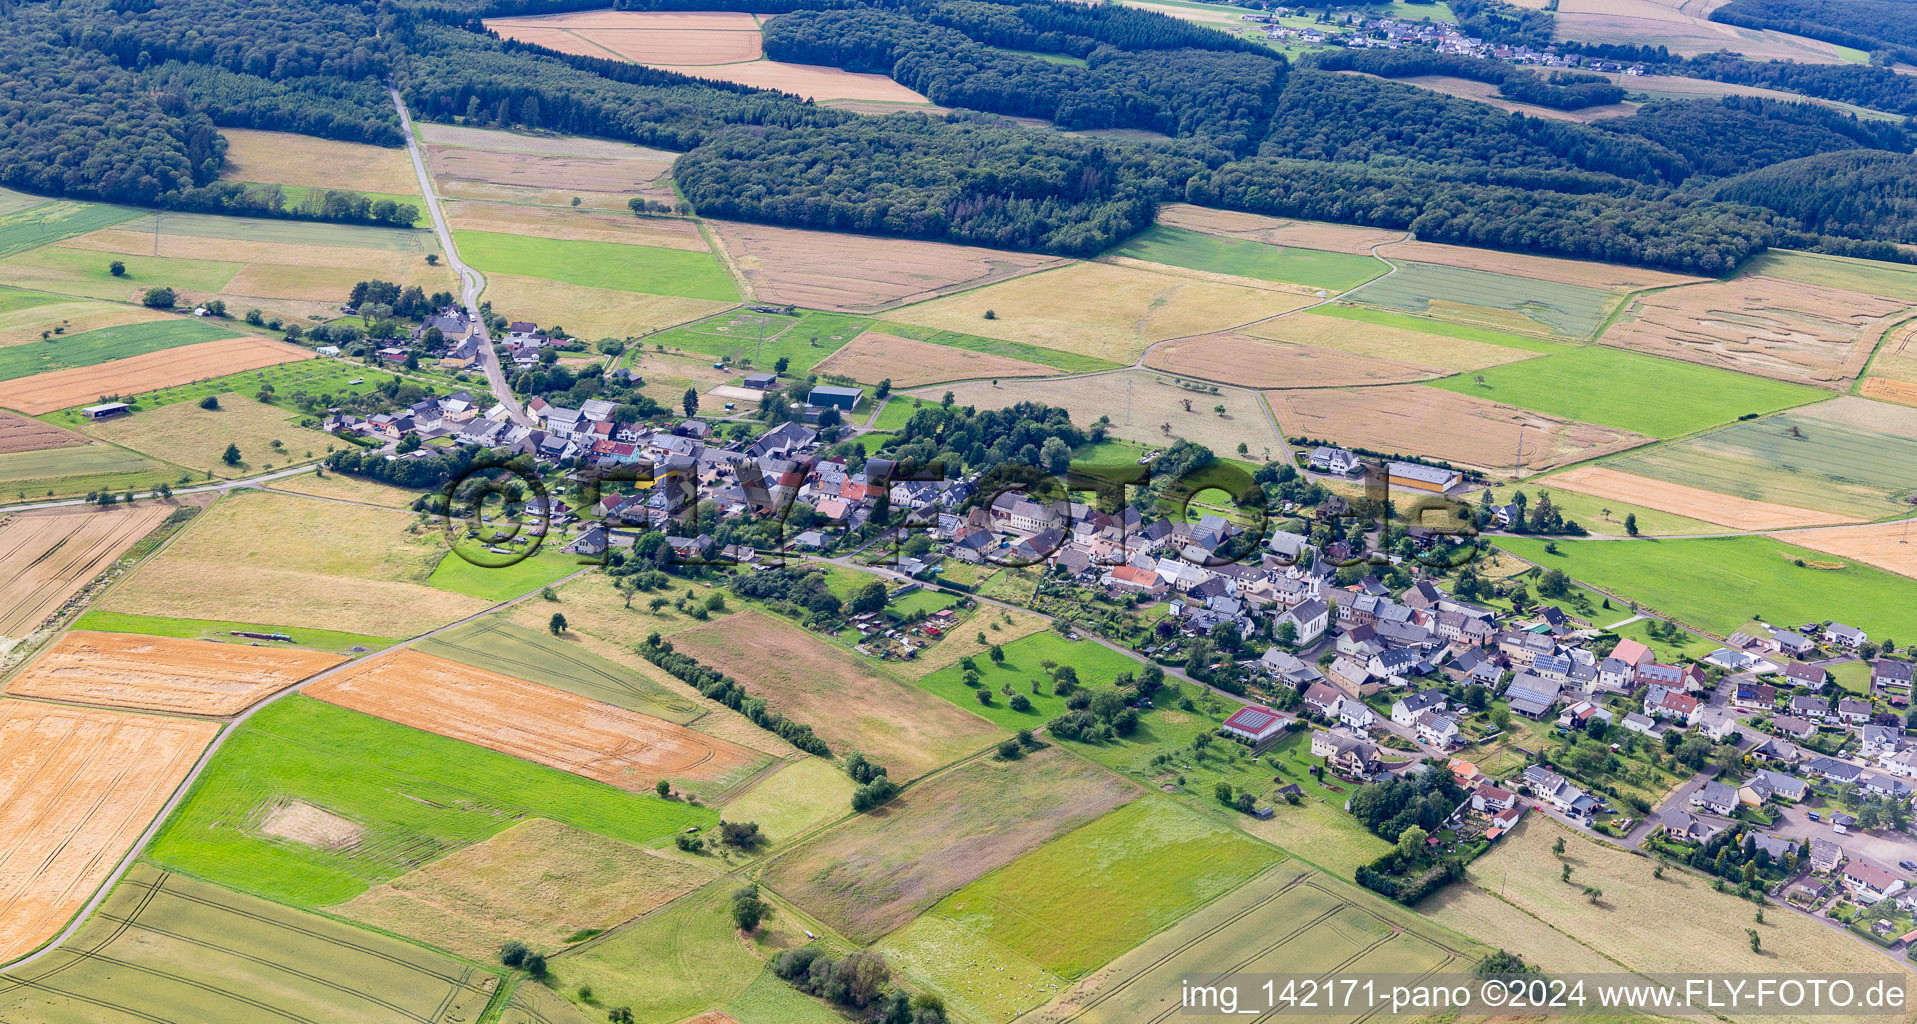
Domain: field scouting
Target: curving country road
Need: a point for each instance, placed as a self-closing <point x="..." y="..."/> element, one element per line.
<point x="470" y="281"/>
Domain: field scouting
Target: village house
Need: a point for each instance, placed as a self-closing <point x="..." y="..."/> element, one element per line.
<point x="1256" y="725"/>
<point x="1796" y="645"/>
<point x="1715" y="797"/>
<point x="1405" y="711"/>
<point x="1845" y="636"/>
<point x="1804" y="674"/>
<point x="1490" y="799"/>
<point x="1669" y="704"/>
<point x="1531" y="696"/>
<point x="1825" y="855"/>
<point x="1869" y="884"/>
<point x="1309" y="619"/>
<point x="1891" y="678"/>
<point x="1554" y="790"/>
<point x="1853" y="711"/>
<point x="1437" y="730"/>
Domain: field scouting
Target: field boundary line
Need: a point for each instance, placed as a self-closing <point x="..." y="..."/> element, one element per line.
<point x="212" y="748"/>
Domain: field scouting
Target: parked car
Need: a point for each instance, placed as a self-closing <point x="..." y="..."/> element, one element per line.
<point x="1813" y="815"/>
<point x="1907" y="865"/>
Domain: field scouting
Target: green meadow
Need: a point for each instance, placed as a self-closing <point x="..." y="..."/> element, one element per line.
<point x="1485" y="299"/>
<point x="1072" y="905"/>
<point x="762" y="339"/>
<point x="1717" y="584"/>
<point x="502" y="583"/>
<point x="28" y="224"/>
<point x="630" y="268"/>
<point x="414" y="796"/>
<point x="1630" y="391"/>
<point x="78" y="469"/>
<point x="1069" y="362"/>
<point x="1425" y="325"/>
<point x="87" y="273"/>
<point x="1024" y="665"/>
<point x="69" y="351"/>
<point x="559" y="662"/>
<point x="1195" y="250"/>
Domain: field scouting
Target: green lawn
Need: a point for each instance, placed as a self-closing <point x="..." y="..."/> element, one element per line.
<point x="69" y="351"/>
<point x="1716" y="584"/>
<point x="1194" y="250"/>
<point x="1097" y="665"/>
<point x="1603" y="515"/>
<point x="898" y="412"/>
<point x="194" y="629"/>
<point x="51" y="472"/>
<point x="1631" y="391"/>
<point x="631" y="268"/>
<point x="1382" y="318"/>
<point x="502" y="583"/>
<point x="762" y="339"/>
<point x="1076" y="902"/>
<point x="1688" y="645"/>
<point x="416" y="795"/>
<point x="1852" y="676"/>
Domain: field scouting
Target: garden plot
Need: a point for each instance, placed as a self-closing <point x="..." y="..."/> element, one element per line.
<point x="1414" y="419"/>
<point x="538" y="723"/>
<point x="78" y="786"/>
<point x="153" y="673"/>
<point x="1809" y="333"/>
<point x="860" y="273"/>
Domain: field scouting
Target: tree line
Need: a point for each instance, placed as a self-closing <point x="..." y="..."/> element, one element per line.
<point x="1561" y="90"/>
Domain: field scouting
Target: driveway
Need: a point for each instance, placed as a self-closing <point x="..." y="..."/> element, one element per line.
<point x="1882" y="849"/>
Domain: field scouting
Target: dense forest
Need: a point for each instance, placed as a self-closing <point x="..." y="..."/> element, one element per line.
<point x="1857" y="193"/>
<point x="1865" y="24"/>
<point x="1562" y="90"/>
<point x="1693" y="185"/>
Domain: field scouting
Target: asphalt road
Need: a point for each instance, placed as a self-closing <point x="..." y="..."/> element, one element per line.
<point x="470" y="282"/>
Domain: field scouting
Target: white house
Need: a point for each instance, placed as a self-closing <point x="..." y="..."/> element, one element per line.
<point x="1405" y="711"/>
<point x="1310" y="619"/>
<point x="1437" y="730"/>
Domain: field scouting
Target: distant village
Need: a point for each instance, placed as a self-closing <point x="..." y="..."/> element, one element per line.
<point x="1361" y="31"/>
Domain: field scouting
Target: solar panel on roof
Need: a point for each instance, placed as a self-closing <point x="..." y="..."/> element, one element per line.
<point x="1247" y="718"/>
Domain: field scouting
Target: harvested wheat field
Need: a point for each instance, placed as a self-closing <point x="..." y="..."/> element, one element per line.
<point x="21" y="434"/>
<point x="538" y="723"/>
<point x="1256" y="363"/>
<point x="848" y="702"/>
<point x="46" y="558"/>
<point x="593" y="312"/>
<point x="1893" y="370"/>
<point x="1417" y="420"/>
<point x="152" y="673"/>
<point x="1145" y="406"/>
<point x="1100" y="310"/>
<point x="1650" y="23"/>
<point x="1305" y="234"/>
<point x="82" y="385"/>
<point x="907" y="362"/>
<point x="532" y="170"/>
<point x="1693" y="502"/>
<point x="1390" y="342"/>
<point x="1884" y="545"/>
<point x="1764" y="325"/>
<point x="1583" y="273"/>
<point x="388" y="264"/>
<point x="1481" y="92"/>
<point x="572" y="225"/>
<point x="1885" y="389"/>
<point x="539" y="881"/>
<point x="287" y="159"/>
<point x="77" y="787"/>
<point x="860" y="273"/>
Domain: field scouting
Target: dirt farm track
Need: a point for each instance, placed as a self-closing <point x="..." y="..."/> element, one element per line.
<point x="164" y="674"/>
<point x="77" y="786"/>
<point x="541" y="724"/>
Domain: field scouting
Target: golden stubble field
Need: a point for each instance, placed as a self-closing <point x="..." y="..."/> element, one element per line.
<point x="81" y="385"/>
<point x="288" y="159"/>
<point x="1461" y="429"/>
<point x="541" y="724"/>
<point x="907" y="362"/>
<point x="77" y="787"/>
<point x="1726" y="510"/>
<point x="1259" y="363"/>
<point x="1144" y="406"/>
<point x="1101" y="310"/>
<point x="186" y="435"/>
<point x="1307" y="234"/>
<point x="1764" y="325"/>
<point x="575" y="225"/>
<point x="153" y="673"/>
<point x="46" y="558"/>
<point x="860" y="273"/>
<point x="717" y="45"/>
